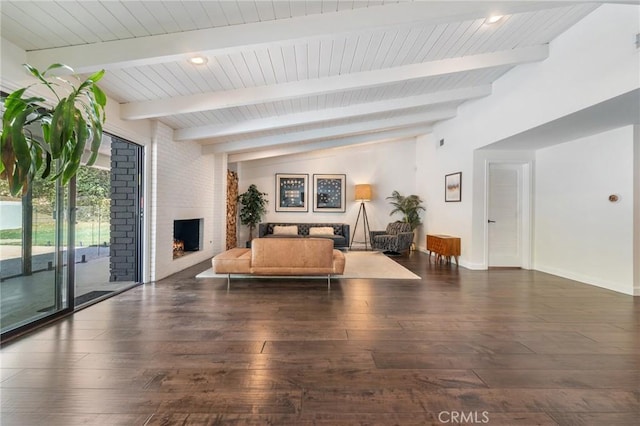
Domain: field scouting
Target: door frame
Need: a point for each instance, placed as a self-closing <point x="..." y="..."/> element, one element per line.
<point x="525" y="209"/>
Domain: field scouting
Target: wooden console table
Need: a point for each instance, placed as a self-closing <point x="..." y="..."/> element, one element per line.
<point x="444" y="246"/>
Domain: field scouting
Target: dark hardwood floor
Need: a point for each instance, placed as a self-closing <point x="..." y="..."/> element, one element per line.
<point x="486" y="347"/>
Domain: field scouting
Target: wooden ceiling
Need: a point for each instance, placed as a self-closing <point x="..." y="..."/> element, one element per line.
<point x="290" y="76"/>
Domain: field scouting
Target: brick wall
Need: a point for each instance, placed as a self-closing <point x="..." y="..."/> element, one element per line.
<point x="125" y="193"/>
<point x="182" y="187"/>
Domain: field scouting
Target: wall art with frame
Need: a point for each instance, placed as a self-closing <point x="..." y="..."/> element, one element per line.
<point x="291" y="192"/>
<point x="329" y="193"/>
<point x="453" y="187"/>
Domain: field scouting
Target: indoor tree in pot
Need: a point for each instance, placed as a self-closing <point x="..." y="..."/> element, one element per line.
<point x="253" y="208"/>
<point x="76" y="118"/>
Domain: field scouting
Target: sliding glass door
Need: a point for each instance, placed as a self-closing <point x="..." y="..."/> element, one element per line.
<point x="108" y="222"/>
<point x="64" y="247"/>
<point x="33" y="253"/>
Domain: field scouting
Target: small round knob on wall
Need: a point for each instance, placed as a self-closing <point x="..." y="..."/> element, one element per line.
<point x="614" y="198"/>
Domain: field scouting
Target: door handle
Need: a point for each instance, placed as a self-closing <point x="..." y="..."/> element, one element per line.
<point x="491" y="221"/>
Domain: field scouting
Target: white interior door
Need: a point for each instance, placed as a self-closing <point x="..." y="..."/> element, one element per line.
<point x="505" y="215"/>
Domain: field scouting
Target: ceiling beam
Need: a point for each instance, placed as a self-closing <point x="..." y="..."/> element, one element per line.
<point x="309" y="117"/>
<point x="164" y="48"/>
<point x="313" y="87"/>
<point x="328" y="133"/>
<point x="369" y="138"/>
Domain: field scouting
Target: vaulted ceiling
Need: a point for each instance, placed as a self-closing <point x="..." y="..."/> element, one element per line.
<point x="289" y="76"/>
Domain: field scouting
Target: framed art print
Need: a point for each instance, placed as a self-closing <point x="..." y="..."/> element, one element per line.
<point x="453" y="187"/>
<point x="291" y="192"/>
<point x="329" y="193"/>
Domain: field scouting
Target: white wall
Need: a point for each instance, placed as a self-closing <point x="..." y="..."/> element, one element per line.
<point x="182" y="187"/>
<point x="387" y="166"/>
<point x="579" y="233"/>
<point x="424" y="148"/>
<point x="591" y="62"/>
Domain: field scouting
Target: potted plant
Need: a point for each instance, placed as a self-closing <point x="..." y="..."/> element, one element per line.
<point x="74" y="120"/>
<point x="410" y="207"/>
<point x="253" y="208"/>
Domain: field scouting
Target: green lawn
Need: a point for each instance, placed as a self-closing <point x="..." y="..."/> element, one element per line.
<point x="87" y="234"/>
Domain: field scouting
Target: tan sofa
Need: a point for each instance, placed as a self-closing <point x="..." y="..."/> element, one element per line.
<point x="282" y="256"/>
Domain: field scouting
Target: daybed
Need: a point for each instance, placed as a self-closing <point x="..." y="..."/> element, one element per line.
<point x="338" y="232"/>
<point x="282" y="256"/>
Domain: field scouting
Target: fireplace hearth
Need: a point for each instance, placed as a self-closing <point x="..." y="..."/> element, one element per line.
<point x="187" y="236"/>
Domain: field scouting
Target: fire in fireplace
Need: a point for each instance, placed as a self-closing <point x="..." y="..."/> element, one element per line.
<point x="186" y="236"/>
<point x="178" y="248"/>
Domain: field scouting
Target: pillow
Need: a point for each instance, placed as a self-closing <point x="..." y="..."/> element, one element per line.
<point x="319" y="230"/>
<point x="285" y="230"/>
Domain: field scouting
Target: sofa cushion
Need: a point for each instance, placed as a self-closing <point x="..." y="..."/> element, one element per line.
<point x="285" y="230"/>
<point x="321" y="230"/>
<point x="285" y="256"/>
<point x="234" y="261"/>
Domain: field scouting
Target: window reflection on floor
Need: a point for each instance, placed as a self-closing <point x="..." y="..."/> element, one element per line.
<point x="25" y="298"/>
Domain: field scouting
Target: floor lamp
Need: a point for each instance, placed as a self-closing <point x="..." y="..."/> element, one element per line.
<point x="363" y="193"/>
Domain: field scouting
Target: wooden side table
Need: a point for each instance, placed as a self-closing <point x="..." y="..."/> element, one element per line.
<point x="444" y="246"/>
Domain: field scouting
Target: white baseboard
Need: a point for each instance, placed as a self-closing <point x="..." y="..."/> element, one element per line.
<point x="617" y="287"/>
<point x="560" y="273"/>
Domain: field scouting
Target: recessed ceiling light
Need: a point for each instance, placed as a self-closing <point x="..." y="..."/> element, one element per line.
<point x="198" y="60"/>
<point x="493" y="19"/>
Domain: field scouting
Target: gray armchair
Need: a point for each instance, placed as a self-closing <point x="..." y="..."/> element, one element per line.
<point x="396" y="238"/>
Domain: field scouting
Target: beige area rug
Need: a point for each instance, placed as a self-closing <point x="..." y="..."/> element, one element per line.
<point x="358" y="264"/>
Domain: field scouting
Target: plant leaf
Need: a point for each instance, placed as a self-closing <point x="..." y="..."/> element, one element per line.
<point x="81" y="134"/>
<point x="19" y="142"/>
<point x="96" y="76"/>
<point x="100" y="97"/>
<point x="40" y="76"/>
<point x="62" y="125"/>
<point x="56" y="66"/>
<point x="96" y="141"/>
<point x="66" y="129"/>
<point x="47" y="169"/>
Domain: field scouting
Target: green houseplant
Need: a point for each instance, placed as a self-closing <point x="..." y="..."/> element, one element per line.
<point x="410" y="207"/>
<point x="74" y="120"/>
<point x="253" y="208"/>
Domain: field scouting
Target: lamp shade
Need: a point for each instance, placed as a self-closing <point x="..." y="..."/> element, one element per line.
<point x="363" y="192"/>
